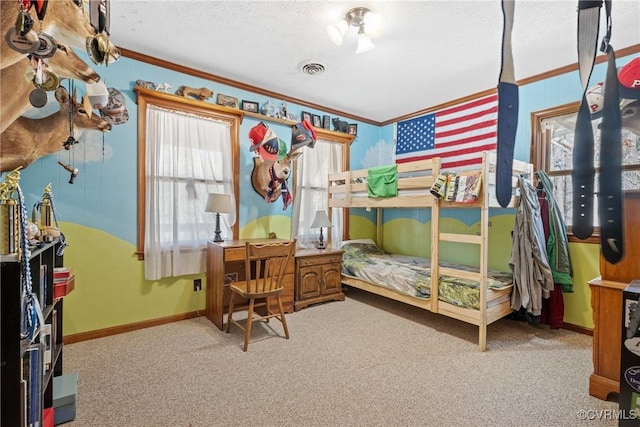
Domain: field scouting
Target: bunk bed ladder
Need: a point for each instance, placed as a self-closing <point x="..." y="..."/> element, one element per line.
<point x="435" y="242"/>
<point x="482" y="241"/>
<point x="484" y="257"/>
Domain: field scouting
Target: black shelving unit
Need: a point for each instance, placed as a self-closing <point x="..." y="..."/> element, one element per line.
<point x="12" y="347"/>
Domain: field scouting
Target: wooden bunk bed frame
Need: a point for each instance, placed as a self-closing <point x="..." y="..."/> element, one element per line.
<point x="345" y="191"/>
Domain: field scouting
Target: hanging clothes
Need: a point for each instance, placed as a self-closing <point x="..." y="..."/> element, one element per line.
<point x="558" y="242"/>
<point x="532" y="276"/>
<point x="553" y="307"/>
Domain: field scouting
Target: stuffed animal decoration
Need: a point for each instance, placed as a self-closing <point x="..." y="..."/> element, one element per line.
<point x="340" y="125"/>
<point x="201" y="94"/>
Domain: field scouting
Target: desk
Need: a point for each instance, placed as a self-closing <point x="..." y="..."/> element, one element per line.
<point x="226" y="260"/>
<point x="606" y="302"/>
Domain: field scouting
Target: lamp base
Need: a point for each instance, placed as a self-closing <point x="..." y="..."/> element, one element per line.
<point x="217" y="237"/>
<point x="321" y="244"/>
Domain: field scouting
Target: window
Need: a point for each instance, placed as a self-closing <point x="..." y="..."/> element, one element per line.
<point x="185" y="152"/>
<point x="552" y="151"/>
<point x="330" y="155"/>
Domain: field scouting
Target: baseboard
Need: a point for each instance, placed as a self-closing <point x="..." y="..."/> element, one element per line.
<point x="99" y="333"/>
<point x="576" y="328"/>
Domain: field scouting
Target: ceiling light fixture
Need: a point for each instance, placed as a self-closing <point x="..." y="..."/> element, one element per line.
<point x="368" y="24"/>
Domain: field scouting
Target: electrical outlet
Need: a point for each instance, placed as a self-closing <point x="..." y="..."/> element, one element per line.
<point x="197" y="285"/>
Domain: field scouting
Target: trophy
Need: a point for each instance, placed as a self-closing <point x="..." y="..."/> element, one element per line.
<point x="9" y="214"/>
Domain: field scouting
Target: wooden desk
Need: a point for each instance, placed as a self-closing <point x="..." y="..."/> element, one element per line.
<point x="606" y="302"/>
<point x="226" y="259"/>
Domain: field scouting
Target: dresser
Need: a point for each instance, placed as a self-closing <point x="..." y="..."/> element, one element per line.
<point x="226" y="264"/>
<point x="318" y="277"/>
<point x="606" y="303"/>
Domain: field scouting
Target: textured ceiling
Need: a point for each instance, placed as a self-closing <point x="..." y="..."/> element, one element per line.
<point x="429" y="52"/>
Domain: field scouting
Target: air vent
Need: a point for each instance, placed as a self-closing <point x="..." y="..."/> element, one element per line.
<point x="312" y="68"/>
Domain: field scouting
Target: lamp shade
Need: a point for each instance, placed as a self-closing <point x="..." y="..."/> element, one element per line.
<point x="336" y="31"/>
<point x="220" y="203"/>
<point x="321" y="220"/>
<point x="373" y="23"/>
<point x="364" y="42"/>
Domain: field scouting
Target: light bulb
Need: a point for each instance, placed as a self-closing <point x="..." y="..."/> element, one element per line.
<point x="364" y="42"/>
<point x="336" y="31"/>
<point x="373" y="23"/>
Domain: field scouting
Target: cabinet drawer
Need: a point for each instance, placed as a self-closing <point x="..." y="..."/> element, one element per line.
<point x="234" y="254"/>
<point x="332" y="259"/>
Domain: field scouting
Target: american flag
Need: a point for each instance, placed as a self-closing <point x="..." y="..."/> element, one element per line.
<point x="458" y="134"/>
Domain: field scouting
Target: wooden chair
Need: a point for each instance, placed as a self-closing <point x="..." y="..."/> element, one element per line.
<point x="265" y="266"/>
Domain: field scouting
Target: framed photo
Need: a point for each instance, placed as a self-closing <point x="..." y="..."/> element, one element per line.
<point x="317" y="122"/>
<point x="306" y="116"/>
<point x="326" y="122"/>
<point x="250" y="106"/>
<point x="230" y="278"/>
<point x="353" y="129"/>
<point x="293" y="117"/>
<point x="227" y="101"/>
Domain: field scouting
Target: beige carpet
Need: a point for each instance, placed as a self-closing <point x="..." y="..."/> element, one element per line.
<point x="366" y="361"/>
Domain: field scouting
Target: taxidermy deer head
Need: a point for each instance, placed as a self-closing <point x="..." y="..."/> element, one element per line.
<point x="65" y="20"/>
<point x="269" y="178"/>
<point x="26" y="140"/>
<point x="16" y="86"/>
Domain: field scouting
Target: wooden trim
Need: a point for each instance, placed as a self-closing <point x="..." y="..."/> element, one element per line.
<point x="630" y="50"/>
<point x="326" y="134"/>
<point x="114" y="330"/>
<point x="223" y="80"/>
<point x="525" y="81"/>
<point x="232" y="116"/>
<point x="208" y="76"/>
<point x="576" y="328"/>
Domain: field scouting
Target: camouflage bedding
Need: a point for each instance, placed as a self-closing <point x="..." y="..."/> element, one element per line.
<point x="411" y="275"/>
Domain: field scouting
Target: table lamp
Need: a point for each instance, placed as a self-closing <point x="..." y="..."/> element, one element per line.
<point x="218" y="203"/>
<point x="321" y="220"/>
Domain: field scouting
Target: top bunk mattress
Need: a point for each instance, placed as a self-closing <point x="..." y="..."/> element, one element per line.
<point x="412" y="275"/>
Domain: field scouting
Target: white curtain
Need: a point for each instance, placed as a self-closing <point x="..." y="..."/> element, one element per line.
<point x="187" y="157"/>
<point x="312" y="170"/>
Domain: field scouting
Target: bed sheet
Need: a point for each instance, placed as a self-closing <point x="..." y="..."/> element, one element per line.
<point x="412" y="275"/>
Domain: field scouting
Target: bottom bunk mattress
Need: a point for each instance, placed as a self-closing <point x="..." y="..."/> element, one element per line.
<point x="412" y="275"/>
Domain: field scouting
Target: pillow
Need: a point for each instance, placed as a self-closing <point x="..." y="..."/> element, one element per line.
<point x="365" y="241"/>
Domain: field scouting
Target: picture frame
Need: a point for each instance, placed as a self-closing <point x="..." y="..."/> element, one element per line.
<point x="227" y="101"/>
<point x="326" y="122"/>
<point x="316" y="122"/>
<point x="304" y="115"/>
<point x="353" y="129"/>
<point x="230" y="278"/>
<point x="250" y="106"/>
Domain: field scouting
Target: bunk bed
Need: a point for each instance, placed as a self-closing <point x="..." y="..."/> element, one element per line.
<point x="486" y="294"/>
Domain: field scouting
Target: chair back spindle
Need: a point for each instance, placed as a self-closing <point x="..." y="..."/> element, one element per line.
<point x="265" y="269"/>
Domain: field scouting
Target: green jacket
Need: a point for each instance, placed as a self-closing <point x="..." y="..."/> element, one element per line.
<point x="557" y="243"/>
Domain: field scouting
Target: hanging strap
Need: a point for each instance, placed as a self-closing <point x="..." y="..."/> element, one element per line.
<point x="610" y="178"/>
<point x="507" y="110"/>
<point x="583" y="171"/>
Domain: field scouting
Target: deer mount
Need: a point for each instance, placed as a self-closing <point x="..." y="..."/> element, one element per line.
<point x="269" y="178"/>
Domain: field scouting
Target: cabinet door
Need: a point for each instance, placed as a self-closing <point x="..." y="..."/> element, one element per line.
<point x="309" y="282"/>
<point x="332" y="279"/>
